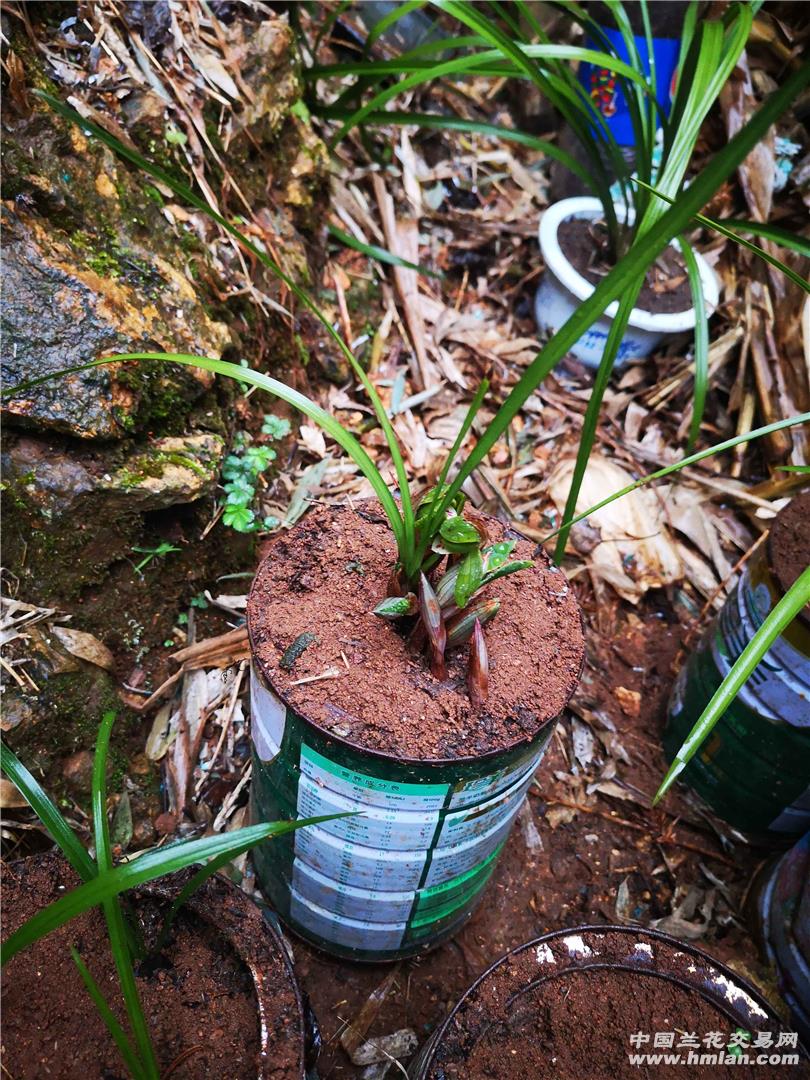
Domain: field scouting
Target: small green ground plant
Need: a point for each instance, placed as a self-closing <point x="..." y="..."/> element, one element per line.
<point x="105" y="885"/>
<point x="160" y="551"/>
<point x="241" y="471"/>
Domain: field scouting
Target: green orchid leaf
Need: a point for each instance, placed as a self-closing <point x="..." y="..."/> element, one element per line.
<point x="469" y="579"/>
<point x="120" y="933"/>
<point x="117" y="1033"/>
<point x="460" y="627"/>
<point x="508" y="568"/>
<point x="456" y="536"/>
<point x="497" y="554"/>
<point x="378" y="253"/>
<point x="446" y="586"/>
<point x="395" y="607"/>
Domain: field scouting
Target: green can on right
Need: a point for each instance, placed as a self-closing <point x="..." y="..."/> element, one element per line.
<point x="754" y="768"/>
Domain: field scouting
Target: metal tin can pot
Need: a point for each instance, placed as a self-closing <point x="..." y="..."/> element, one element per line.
<point x="494" y="999"/>
<point x="754" y="768"/>
<point x="407" y="869"/>
<point x="406" y="872"/>
<point x="783" y="913"/>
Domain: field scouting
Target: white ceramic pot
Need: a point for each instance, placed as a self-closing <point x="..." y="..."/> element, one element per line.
<point x="562" y="289"/>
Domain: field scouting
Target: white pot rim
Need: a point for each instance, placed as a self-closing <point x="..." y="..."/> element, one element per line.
<point x="588" y="206"/>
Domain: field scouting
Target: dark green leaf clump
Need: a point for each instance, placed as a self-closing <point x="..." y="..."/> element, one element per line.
<point x="292" y="652"/>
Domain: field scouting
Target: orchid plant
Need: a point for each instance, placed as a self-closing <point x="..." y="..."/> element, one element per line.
<point x="444" y="559"/>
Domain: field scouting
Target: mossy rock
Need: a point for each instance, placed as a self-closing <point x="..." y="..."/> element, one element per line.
<point x="59" y="313"/>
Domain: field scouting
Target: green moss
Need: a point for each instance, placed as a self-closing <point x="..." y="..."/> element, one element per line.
<point x="104" y="264"/>
<point x="67" y="712"/>
<point x="304" y="356"/>
<point x="363" y="296"/>
<point x="152" y="193"/>
<point x="153" y="464"/>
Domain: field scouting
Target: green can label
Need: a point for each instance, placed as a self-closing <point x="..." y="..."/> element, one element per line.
<point x="415" y="855"/>
<point x="408" y="865"/>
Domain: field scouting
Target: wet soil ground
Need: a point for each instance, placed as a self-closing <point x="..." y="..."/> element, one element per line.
<point x="619" y="861"/>
<point x="578" y="854"/>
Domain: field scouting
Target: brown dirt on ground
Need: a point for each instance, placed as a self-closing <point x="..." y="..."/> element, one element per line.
<point x="326" y="576"/>
<point x="789" y="542"/>
<point x="197" y="994"/>
<point x="666" y="287"/>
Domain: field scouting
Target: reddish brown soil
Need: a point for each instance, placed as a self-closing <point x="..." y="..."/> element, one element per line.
<point x="325" y="577"/>
<point x="198" y="995"/>
<point x="789" y="542"/>
<point x="578" y="1025"/>
<point x="666" y="287"/>
<point x="583" y="866"/>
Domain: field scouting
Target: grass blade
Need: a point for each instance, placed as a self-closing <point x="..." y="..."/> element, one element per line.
<point x="48" y="813"/>
<point x="727" y="229"/>
<point x="701" y="342"/>
<point x="772" y="626"/>
<point x="147" y="867"/>
<point x="455" y="123"/>
<point x="691" y="459"/>
<point x="792" y="241"/>
<point x="110" y="1021"/>
<point x="400" y="11"/>
<point x="378" y="253"/>
<point x="120" y="941"/>
<point x="591" y="420"/>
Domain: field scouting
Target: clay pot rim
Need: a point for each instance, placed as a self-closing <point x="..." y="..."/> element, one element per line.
<point x="426" y="1059"/>
<point x="382" y="755"/>
<point x="255" y="951"/>
<point x="590" y="208"/>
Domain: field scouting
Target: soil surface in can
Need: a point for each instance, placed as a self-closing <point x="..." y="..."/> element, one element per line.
<point x="789" y="542"/>
<point x="584" y="242"/>
<point x="374" y="688"/>
<point x="580" y="1024"/>
<point x="197" y="994"/>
